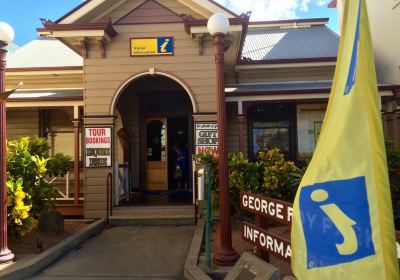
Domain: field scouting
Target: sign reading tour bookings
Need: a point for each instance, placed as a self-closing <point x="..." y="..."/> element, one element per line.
<point x="152" y="46"/>
<point x="207" y="137"/>
<point x="98" y="146"/>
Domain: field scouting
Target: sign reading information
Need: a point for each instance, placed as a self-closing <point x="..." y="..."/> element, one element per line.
<point x="152" y="46"/>
<point x="207" y="137"/>
<point x="98" y="146"/>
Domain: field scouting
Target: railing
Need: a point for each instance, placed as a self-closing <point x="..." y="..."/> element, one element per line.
<point x="64" y="186"/>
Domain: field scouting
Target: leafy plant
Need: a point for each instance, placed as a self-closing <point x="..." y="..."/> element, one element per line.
<point x="18" y="207"/>
<point x="28" y="160"/>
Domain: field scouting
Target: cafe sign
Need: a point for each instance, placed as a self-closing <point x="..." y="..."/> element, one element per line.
<point x="152" y="46"/>
<point x="98" y="147"/>
<point x="206" y="137"/>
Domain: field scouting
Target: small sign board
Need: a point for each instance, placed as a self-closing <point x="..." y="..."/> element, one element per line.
<point x="267" y="241"/>
<point x="152" y="46"/>
<point x="206" y="137"/>
<point x="275" y="209"/>
<point x="98" y="146"/>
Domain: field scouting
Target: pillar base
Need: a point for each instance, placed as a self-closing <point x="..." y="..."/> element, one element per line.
<point x="227" y="257"/>
<point x="6" y="256"/>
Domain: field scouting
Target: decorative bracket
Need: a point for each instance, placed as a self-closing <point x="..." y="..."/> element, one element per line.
<point x="84" y="48"/>
<point x="102" y="49"/>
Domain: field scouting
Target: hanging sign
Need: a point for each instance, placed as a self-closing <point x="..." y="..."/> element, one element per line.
<point x="98" y="146"/>
<point x="206" y="137"/>
<point x="152" y="46"/>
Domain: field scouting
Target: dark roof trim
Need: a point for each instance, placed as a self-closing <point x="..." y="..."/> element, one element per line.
<point x="310" y="20"/>
<point x="243" y="38"/>
<point x="289" y="60"/>
<point x="223" y="8"/>
<point x="105" y="26"/>
<point x="72" y="11"/>
<point x="44" y="68"/>
<point x="392" y="88"/>
<point x="332" y="4"/>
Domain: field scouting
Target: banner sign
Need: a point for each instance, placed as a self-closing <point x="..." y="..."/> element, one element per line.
<point x="206" y="137"/>
<point x="152" y="46"/>
<point x="278" y="210"/>
<point x="267" y="241"/>
<point x="98" y="146"/>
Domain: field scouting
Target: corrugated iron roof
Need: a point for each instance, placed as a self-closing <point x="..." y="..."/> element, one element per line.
<point x="11" y="48"/>
<point x="44" y="52"/>
<point x="274" y="43"/>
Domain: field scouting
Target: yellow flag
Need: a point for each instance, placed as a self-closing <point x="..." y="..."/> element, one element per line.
<point x="342" y="218"/>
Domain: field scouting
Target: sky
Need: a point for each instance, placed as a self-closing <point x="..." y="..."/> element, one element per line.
<point x="23" y="15"/>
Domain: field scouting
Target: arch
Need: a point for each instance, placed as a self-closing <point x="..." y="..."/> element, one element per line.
<point x="151" y="73"/>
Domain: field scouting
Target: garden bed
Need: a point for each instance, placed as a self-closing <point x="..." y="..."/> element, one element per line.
<point x="35" y="241"/>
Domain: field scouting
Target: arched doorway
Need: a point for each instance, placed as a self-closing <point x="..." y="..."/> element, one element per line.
<point x="155" y="112"/>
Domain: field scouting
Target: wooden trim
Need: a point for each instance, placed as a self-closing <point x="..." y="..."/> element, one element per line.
<point x="105" y="26"/>
<point x="78" y="98"/>
<point x="62" y="68"/>
<point x="191" y="22"/>
<point x="332" y="4"/>
<point x="243" y="38"/>
<point x="138" y="7"/>
<point x="72" y="11"/>
<point x="223" y="8"/>
<point x="289" y="60"/>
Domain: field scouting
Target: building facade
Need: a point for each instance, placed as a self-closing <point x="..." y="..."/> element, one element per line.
<point x="143" y="87"/>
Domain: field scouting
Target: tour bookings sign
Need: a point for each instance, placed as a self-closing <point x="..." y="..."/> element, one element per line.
<point x="207" y="137"/>
<point x="98" y="146"/>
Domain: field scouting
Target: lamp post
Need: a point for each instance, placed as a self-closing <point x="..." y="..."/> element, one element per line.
<point x="218" y="26"/>
<point x="6" y="36"/>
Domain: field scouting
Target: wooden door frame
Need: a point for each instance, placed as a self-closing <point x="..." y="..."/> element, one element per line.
<point x="142" y="142"/>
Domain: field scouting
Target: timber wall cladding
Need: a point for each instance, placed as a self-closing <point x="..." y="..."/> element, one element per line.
<point x="46" y="81"/>
<point x="103" y="77"/>
<point x="22" y="123"/>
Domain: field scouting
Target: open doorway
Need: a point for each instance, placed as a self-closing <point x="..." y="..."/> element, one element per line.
<point x="156" y="112"/>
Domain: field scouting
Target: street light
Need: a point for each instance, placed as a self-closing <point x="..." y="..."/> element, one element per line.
<point x="6" y="36"/>
<point x="218" y="26"/>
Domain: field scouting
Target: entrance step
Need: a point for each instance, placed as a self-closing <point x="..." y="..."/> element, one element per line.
<point x="153" y="215"/>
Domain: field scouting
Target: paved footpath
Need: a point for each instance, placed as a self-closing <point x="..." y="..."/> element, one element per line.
<point x="142" y="252"/>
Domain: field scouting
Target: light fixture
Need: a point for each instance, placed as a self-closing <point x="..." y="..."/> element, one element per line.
<point x="218" y="24"/>
<point x="6" y="32"/>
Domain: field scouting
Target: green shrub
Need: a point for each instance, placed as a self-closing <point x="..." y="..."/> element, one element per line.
<point x="19" y="220"/>
<point x="393" y="160"/>
<point x="28" y="160"/>
<point x="270" y="175"/>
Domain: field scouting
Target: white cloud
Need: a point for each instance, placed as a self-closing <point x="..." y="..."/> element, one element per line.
<point x="271" y="9"/>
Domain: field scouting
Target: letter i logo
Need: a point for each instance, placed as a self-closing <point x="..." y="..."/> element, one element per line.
<point x="164" y="45"/>
<point x="336" y="222"/>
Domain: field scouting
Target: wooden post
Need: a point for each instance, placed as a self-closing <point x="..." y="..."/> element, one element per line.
<point x="5" y="254"/>
<point x="76" y="161"/>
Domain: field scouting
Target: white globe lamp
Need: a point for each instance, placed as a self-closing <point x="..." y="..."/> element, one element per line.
<point x="218" y="24"/>
<point x="6" y="32"/>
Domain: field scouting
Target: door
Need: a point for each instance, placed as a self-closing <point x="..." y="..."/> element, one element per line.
<point x="156" y="154"/>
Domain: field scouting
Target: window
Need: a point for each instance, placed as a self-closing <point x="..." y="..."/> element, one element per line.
<point x="271" y="126"/>
<point x="309" y="122"/>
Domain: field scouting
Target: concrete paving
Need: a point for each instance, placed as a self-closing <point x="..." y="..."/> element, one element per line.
<point x="131" y="252"/>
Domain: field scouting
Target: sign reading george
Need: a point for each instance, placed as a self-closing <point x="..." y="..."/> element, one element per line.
<point x="266" y="241"/>
<point x="152" y="46"/>
<point x="98" y="146"/>
<point x="206" y="137"/>
<point x="277" y="210"/>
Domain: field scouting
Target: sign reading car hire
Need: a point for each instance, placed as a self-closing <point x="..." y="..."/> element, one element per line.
<point x="207" y="137"/>
<point x="98" y="146"/>
<point x="152" y="46"/>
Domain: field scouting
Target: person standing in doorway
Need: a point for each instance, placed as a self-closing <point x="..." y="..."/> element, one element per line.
<point x="182" y="163"/>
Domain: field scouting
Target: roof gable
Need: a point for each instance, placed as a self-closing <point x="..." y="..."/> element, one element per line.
<point x="150" y="12"/>
<point x="204" y="7"/>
